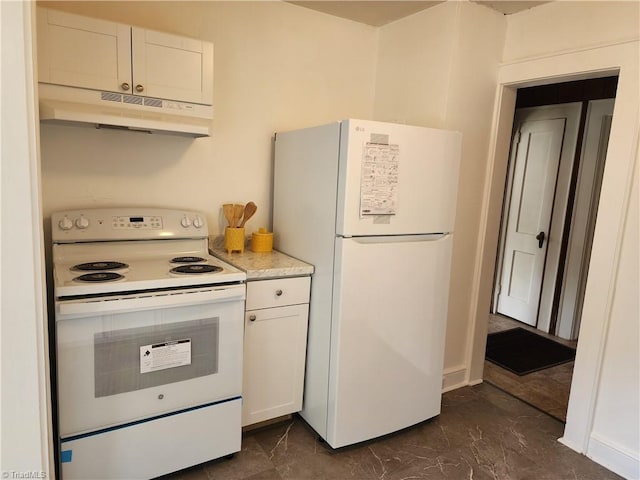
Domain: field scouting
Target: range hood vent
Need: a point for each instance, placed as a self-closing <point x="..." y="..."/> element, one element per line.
<point x="77" y="106"/>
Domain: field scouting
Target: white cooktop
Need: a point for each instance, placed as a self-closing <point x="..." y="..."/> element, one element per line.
<point x="149" y="265"/>
<point x="144" y="239"/>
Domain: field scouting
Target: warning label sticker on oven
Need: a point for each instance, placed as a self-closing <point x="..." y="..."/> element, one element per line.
<point x="160" y="356"/>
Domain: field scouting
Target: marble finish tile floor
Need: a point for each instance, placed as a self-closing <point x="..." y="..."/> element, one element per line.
<point x="546" y="389"/>
<point x="481" y="434"/>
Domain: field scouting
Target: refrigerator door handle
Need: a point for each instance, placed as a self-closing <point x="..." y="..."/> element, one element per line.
<point x="428" y="237"/>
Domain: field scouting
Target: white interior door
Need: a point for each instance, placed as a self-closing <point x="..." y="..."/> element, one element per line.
<point x="592" y="158"/>
<point x="537" y="147"/>
<point x="542" y="294"/>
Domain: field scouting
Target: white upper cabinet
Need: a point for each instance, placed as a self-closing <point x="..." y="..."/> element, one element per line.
<point x="86" y="52"/>
<point x="83" y="52"/>
<point x="169" y="66"/>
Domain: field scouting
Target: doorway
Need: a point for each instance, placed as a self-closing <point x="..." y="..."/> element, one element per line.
<point x="543" y="149"/>
<point x="559" y="141"/>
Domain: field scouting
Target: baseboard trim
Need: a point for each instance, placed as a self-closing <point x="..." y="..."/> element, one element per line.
<point x="454" y="378"/>
<point x="614" y="457"/>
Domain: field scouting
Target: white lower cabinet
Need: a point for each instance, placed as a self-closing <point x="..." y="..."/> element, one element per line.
<point x="275" y="343"/>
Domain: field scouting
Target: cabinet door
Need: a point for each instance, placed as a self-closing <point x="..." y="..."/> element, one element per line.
<point x="275" y="344"/>
<point x="172" y="67"/>
<point x="83" y="52"/>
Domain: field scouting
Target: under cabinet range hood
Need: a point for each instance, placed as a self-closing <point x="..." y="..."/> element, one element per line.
<point x="102" y="109"/>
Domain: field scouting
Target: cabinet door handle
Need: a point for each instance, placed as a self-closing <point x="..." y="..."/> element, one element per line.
<point x="252" y="318"/>
<point x="124" y="86"/>
<point x="278" y="292"/>
<point x="139" y="88"/>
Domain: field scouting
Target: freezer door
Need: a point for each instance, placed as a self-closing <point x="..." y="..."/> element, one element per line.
<point x="396" y="179"/>
<point x="388" y="333"/>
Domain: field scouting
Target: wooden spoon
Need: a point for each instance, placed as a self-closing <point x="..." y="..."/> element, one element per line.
<point x="227" y="208"/>
<point x="237" y="214"/>
<point x="249" y="209"/>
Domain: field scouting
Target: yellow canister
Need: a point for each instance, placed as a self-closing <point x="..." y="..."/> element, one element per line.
<point x="234" y="239"/>
<point x="262" y="241"/>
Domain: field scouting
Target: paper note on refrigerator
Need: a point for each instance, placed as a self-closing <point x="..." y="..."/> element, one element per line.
<point x="379" y="180"/>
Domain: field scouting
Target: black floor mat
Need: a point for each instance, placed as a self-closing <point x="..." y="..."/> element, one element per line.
<point x="521" y="351"/>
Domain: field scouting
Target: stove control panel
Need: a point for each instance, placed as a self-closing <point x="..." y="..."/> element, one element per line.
<point x="137" y="222"/>
<point x="100" y="224"/>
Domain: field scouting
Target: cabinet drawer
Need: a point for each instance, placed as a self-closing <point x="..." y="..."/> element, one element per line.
<point x="278" y="292"/>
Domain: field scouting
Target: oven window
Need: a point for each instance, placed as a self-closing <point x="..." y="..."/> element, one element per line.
<point x="136" y="358"/>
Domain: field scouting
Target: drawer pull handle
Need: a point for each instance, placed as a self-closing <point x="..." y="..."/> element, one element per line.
<point x="278" y="292"/>
<point x="252" y="318"/>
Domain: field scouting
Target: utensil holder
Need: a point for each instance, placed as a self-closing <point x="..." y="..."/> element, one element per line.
<point x="234" y="239"/>
<point x="262" y="241"/>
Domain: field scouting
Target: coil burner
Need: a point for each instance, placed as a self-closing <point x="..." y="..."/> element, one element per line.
<point x="187" y="260"/>
<point x="99" y="266"/>
<point x="99" y="277"/>
<point x="196" y="269"/>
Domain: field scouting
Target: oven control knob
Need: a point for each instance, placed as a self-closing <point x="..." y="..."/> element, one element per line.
<point x="185" y="222"/>
<point x="82" y="222"/>
<point x="198" y="222"/>
<point x="65" y="224"/>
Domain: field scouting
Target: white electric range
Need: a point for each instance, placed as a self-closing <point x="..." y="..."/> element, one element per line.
<point x="149" y="331"/>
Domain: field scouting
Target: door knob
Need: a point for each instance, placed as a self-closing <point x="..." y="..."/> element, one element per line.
<point x="125" y="86"/>
<point x="139" y="88"/>
<point x="540" y="238"/>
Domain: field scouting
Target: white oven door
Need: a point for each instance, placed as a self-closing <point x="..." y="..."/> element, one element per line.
<point x="122" y="359"/>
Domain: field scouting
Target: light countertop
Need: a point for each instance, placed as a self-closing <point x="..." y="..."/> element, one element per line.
<point x="259" y="266"/>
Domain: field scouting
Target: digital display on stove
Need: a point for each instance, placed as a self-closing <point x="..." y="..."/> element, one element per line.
<point x="138" y="222"/>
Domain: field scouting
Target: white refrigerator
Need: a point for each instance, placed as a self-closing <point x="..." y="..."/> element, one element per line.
<point x="372" y="206"/>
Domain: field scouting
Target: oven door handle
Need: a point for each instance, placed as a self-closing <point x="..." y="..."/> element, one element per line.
<point x="150" y="301"/>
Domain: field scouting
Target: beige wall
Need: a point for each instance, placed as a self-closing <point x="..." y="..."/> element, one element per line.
<point x="438" y="69"/>
<point x="617" y="414"/>
<point x="277" y="67"/>
<point x="415" y="57"/>
<point x="567" y="25"/>
<point x="555" y="42"/>
<point x="25" y="416"/>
